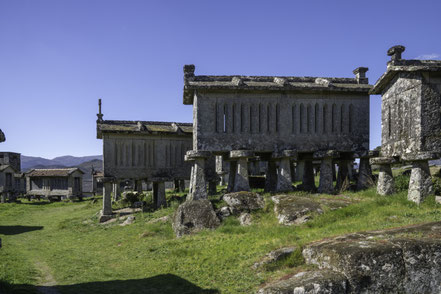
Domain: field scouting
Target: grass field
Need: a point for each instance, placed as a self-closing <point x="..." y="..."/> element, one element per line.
<point x="62" y="247"/>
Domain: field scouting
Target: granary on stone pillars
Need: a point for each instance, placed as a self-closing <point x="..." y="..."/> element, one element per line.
<point x="410" y="121"/>
<point x="142" y="151"/>
<point x="278" y="120"/>
<point x="12" y="181"/>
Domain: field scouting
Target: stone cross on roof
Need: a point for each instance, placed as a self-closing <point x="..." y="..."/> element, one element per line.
<point x="99" y="114"/>
<point x="2" y="136"/>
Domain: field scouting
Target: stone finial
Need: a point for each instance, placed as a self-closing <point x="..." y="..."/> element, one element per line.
<point x="99" y="115"/>
<point x="189" y="72"/>
<point x="395" y="52"/>
<point x="2" y="136"/>
<point x="360" y="75"/>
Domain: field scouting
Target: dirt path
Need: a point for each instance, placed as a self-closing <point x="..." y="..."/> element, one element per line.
<point x="46" y="281"/>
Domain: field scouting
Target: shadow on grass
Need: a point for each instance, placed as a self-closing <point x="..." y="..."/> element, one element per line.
<point x="15" y="230"/>
<point x="167" y="283"/>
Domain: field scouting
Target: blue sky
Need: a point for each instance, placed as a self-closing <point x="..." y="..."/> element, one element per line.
<point x="58" y="57"/>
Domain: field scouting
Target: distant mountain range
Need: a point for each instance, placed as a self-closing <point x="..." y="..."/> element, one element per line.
<point x="29" y="162"/>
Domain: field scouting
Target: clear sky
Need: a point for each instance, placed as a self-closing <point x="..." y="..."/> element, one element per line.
<point x="58" y="57"/>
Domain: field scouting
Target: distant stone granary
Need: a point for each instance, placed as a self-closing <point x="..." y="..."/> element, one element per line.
<point x="410" y="121"/>
<point x="12" y="182"/>
<point x="143" y="151"/>
<point x="278" y="119"/>
<point x="63" y="183"/>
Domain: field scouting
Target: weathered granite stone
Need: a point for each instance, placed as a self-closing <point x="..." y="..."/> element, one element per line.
<point x="386" y="183"/>
<point x="343" y="173"/>
<point x="224" y="212"/>
<point x="244" y="201"/>
<point x="245" y="219"/>
<point x="231" y="175"/>
<point x="326" y="184"/>
<point x="365" y="179"/>
<point x="312" y="282"/>
<point x="401" y="260"/>
<point x="106" y="212"/>
<point x="129" y="220"/>
<point x="159" y="195"/>
<point x="274" y="256"/>
<point x="241" y="180"/>
<point x="420" y="184"/>
<point x="294" y="210"/>
<point x="284" y="180"/>
<point x="193" y="216"/>
<point x="198" y="186"/>
<point x="300" y="168"/>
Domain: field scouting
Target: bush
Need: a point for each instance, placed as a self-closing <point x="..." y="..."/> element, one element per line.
<point x="131" y="197"/>
<point x="401" y="183"/>
<point x="436" y="185"/>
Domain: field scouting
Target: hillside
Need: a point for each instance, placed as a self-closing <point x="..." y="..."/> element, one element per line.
<point x="29" y="162"/>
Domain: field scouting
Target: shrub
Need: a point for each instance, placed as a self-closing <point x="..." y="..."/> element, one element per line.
<point x="131" y="197"/>
<point x="401" y="183"/>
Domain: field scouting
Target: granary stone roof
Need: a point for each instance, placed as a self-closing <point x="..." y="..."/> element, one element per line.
<point x="396" y="65"/>
<point x="54" y="172"/>
<point x="143" y="127"/>
<point x="272" y="83"/>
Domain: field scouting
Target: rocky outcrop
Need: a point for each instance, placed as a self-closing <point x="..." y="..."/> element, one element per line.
<point x="274" y="256"/>
<point x="193" y="216"/>
<point x="313" y="282"/>
<point x="239" y="202"/>
<point x="404" y="260"/>
<point x="291" y="209"/>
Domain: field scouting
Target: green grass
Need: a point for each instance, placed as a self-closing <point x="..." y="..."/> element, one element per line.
<point x="62" y="243"/>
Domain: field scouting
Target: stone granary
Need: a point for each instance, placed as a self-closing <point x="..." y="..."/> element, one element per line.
<point x="278" y="119"/>
<point x="12" y="182"/>
<point x="62" y="183"/>
<point x="143" y="151"/>
<point x="410" y="121"/>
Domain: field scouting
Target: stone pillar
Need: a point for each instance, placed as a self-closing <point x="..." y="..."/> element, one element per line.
<point x="139" y="186"/>
<point x="181" y="185"/>
<point x="308" y="183"/>
<point x="3" y="198"/>
<point x="241" y="180"/>
<point x="293" y="169"/>
<point x="284" y="179"/>
<point x="365" y="179"/>
<point x="343" y="173"/>
<point x="300" y="167"/>
<point x="159" y="199"/>
<point x="106" y="212"/>
<point x="232" y="175"/>
<point x="386" y="184"/>
<point x="198" y="183"/>
<point x="420" y="184"/>
<point x="176" y="185"/>
<point x="326" y="184"/>
<point x="190" y="187"/>
<point x="116" y="191"/>
<point x="271" y="176"/>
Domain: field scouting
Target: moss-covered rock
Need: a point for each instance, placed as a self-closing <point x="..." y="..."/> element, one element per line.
<point x="291" y="209"/>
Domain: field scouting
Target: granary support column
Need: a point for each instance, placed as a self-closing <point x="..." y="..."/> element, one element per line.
<point x="300" y="167"/>
<point x="138" y="184"/>
<point x="159" y="199"/>
<point x="365" y="179"/>
<point x="241" y="180"/>
<point x="284" y="179"/>
<point x="344" y="164"/>
<point x="231" y="174"/>
<point x="326" y="184"/>
<point x="198" y="183"/>
<point x="420" y="184"/>
<point x="3" y="198"/>
<point x="116" y="191"/>
<point x="106" y="212"/>
<point x="386" y="184"/>
<point x="308" y="182"/>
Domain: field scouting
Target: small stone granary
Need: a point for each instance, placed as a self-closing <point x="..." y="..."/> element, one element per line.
<point x="410" y="121"/>
<point x="143" y="151"/>
<point x="12" y="182"/>
<point x="278" y="120"/>
<point x="60" y="183"/>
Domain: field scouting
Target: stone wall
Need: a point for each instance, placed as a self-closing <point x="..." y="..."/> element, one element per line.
<point x="268" y="122"/>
